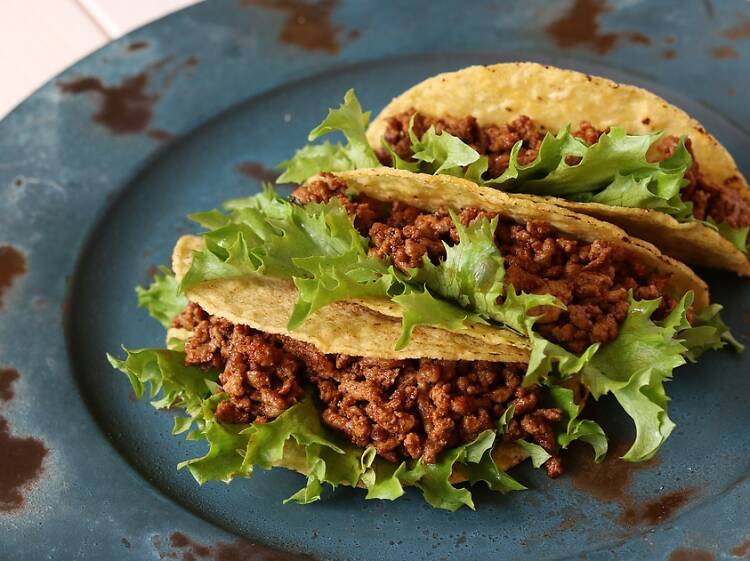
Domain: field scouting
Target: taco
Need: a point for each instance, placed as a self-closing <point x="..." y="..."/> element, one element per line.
<point x="546" y="131"/>
<point x="612" y="151"/>
<point x="383" y="328"/>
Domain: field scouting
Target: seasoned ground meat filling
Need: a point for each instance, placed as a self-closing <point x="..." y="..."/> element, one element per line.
<point x="492" y="141"/>
<point x="405" y="408"/>
<point x="261" y="379"/>
<point x="721" y="203"/>
<point x="591" y="279"/>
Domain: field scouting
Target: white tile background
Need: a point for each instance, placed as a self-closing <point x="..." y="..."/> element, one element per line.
<point x="39" y="38"/>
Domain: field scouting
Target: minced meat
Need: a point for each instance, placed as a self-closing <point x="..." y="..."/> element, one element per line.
<point x="404" y="408"/>
<point x="591" y="279"/>
<point x="492" y="141"/>
<point x="719" y="202"/>
<point x="261" y="379"/>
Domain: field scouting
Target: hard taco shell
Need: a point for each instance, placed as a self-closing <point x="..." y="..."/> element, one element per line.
<point x="555" y="98"/>
<point x="265" y="304"/>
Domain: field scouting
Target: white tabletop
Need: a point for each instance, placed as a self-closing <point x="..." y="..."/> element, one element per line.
<point x="39" y="38"/>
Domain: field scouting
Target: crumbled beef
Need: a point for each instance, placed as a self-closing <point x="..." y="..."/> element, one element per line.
<point x="408" y="242"/>
<point x="591" y="279"/>
<point x="326" y="187"/>
<point x="404" y="408"/>
<point x="493" y="141"/>
<point x="261" y="379"/>
<point x="588" y="133"/>
<point x="719" y="202"/>
<point x="191" y="316"/>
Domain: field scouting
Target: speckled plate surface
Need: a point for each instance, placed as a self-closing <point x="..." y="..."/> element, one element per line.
<point x="97" y="172"/>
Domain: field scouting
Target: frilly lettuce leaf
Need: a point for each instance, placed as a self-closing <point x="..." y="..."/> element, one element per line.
<point x="585" y="430"/>
<point x="474" y="460"/>
<point x="738" y="236"/>
<point x="548" y="158"/>
<point x="504" y="420"/>
<point x="170" y="382"/>
<point x="297" y="437"/>
<point x="265" y="233"/>
<point x="351" y="121"/>
<point x="472" y="275"/>
<point x="473" y="270"/>
<point x="537" y="454"/>
<point x="546" y="356"/>
<point x="615" y="153"/>
<point x="396" y="160"/>
<point x="441" y="152"/>
<point x="633" y="367"/>
<point x="659" y="191"/>
<point x="421" y="307"/>
<point x="162" y="299"/>
<point x="709" y="332"/>
<point x="613" y="171"/>
<point x="313" y="159"/>
<point x="572" y="428"/>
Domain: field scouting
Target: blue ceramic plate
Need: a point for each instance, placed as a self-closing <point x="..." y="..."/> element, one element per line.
<point x="97" y="172"/>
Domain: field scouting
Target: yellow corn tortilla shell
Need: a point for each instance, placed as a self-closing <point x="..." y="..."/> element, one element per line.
<point x="432" y="192"/>
<point x="555" y="98"/>
<point x="265" y="303"/>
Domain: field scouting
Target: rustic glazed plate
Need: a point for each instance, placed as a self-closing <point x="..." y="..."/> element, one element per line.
<point x="97" y="172"/>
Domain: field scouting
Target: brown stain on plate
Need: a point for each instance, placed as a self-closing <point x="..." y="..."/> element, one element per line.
<point x="638" y="38"/>
<point x="609" y="481"/>
<point x="579" y="27"/>
<point x="8" y="377"/>
<point x="124" y="108"/>
<point x="687" y="554"/>
<point x="742" y="550"/>
<point x="308" y="25"/>
<point x="137" y="46"/>
<point x="568" y="521"/>
<point x="657" y="510"/>
<point x="21" y="465"/>
<point x="723" y="52"/>
<point x="12" y="265"/>
<point x="160" y="135"/>
<point x="668" y="54"/>
<point x="128" y="106"/>
<point x="185" y="548"/>
<point x="738" y="32"/>
<point x="258" y="171"/>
